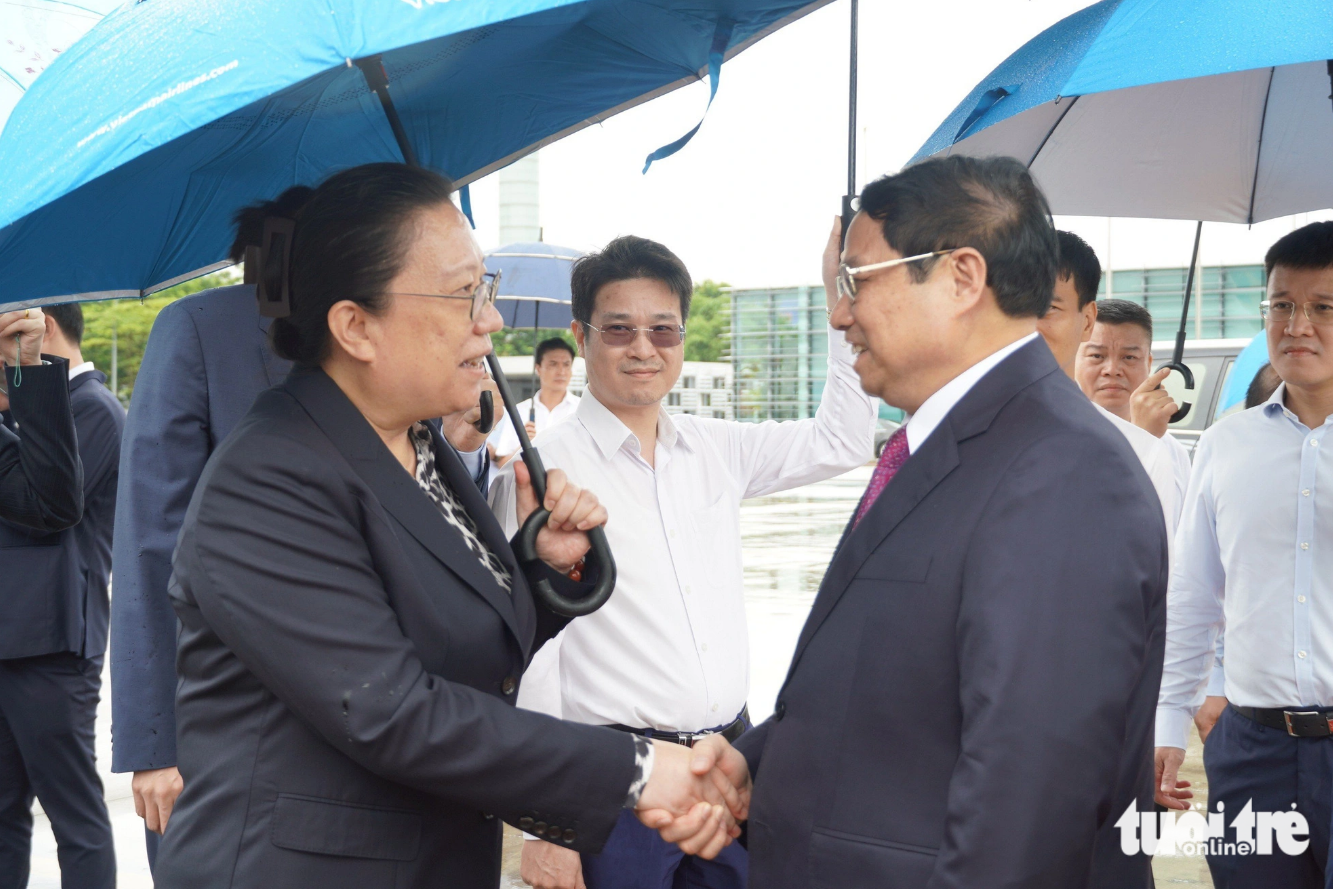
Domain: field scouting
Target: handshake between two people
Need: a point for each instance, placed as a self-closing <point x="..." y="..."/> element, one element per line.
<point x="695" y="797"/>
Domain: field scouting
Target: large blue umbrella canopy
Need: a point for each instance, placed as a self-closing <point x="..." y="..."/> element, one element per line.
<point x="1248" y="363"/>
<point x="534" y="284"/>
<point x="1173" y="109"/>
<point x="125" y="161"/>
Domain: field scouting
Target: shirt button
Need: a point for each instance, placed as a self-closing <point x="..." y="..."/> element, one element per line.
<point x="1305" y="493"/>
<point x="509" y="685"/>
<point x="1314" y="442"/>
<point x="672" y="533"/>
<point x="1301" y="655"/>
<point x="704" y="646"/>
<point x="715" y="708"/>
<point x="1300" y="599"/>
<point x="1305" y="546"/>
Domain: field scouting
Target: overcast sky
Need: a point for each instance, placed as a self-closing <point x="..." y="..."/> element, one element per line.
<point x="750" y="200"/>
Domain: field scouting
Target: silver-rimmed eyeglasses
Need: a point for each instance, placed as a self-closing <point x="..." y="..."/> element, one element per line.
<point x="483" y="296"/>
<point x="847" y="275"/>
<point x="1319" y="311"/>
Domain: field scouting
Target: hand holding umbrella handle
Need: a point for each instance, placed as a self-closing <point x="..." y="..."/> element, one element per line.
<point x="526" y="542"/>
<point x="1183" y="369"/>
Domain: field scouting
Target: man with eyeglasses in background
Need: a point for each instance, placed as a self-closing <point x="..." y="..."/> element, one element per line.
<point x="668" y="655"/>
<point x="1255" y="552"/>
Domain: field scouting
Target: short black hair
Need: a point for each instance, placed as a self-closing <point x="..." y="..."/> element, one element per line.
<point x="1079" y="262"/>
<point x="1308" y="247"/>
<point x="547" y="345"/>
<point x="1122" y="311"/>
<point x="352" y="239"/>
<point x="249" y="221"/>
<point x="990" y="204"/>
<point x="1263" y="386"/>
<point x="624" y="259"/>
<point x="69" y="318"/>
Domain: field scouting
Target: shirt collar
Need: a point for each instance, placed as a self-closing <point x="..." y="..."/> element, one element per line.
<point x="81" y="369"/>
<point x="610" y="434"/>
<point x="935" y="408"/>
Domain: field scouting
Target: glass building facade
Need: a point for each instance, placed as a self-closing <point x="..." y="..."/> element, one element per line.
<point x="779" y="348"/>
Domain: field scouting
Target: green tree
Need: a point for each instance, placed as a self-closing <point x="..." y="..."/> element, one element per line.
<point x="709" y="324"/>
<point x="127" y="323"/>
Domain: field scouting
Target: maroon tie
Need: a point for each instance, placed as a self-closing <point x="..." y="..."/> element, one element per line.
<point x="891" y="459"/>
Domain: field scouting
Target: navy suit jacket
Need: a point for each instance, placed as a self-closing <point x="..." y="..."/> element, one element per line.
<point x="348" y="671"/>
<point x="53" y="589"/>
<point x="971" y="700"/>
<point x="41" y="481"/>
<point x="206" y="361"/>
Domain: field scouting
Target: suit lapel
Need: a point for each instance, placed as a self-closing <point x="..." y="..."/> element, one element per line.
<point x="398" y="492"/>
<point x="923" y="471"/>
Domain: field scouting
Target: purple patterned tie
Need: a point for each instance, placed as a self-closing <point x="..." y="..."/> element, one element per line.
<point x="891" y="459"/>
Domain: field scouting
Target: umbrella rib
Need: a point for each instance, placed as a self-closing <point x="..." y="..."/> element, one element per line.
<point x="1059" y="120"/>
<point x="1259" y="151"/>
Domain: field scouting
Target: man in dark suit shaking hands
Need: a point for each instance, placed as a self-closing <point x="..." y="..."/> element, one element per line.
<point x="970" y="702"/>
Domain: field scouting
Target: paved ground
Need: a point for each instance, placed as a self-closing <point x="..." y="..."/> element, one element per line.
<point x="788" y="540"/>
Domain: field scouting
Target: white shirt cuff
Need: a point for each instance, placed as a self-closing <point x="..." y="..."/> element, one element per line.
<point x="1173" y="727"/>
<point x="472" y="460"/>
<point x="1217" y="682"/>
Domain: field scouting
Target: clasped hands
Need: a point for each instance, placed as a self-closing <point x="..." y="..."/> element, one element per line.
<point x="695" y="798"/>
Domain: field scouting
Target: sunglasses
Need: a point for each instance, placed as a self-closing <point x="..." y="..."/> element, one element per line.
<point x="664" y="336"/>
<point x="483" y="296"/>
<point x="847" y="275"/>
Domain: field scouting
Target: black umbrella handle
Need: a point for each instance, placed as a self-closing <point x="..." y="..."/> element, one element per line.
<point x="1184" y="370"/>
<point x="486" y="422"/>
<point x="526" y="543"/>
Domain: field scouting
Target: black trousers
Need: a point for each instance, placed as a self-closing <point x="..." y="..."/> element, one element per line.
<point x="47" y="708"/>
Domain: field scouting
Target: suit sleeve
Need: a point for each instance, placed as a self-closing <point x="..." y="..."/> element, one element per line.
<point x="41" y="476"/>
<point x="165" y="446"/>
<point x="277" y="565"/>
<point x="1060" y="622"/>
<point x="751" y="745"/>
<point x="99" y="429"/>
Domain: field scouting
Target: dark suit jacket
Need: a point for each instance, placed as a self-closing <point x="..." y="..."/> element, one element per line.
<point x="53" y="589"/>
<point x="41" y="480"/>
<point x="970" y="703"/>
<point x="206" y="361"/>
<point x="348" y="670"/>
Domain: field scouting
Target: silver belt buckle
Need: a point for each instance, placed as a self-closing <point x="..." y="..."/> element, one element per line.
<point x="1287" y="714"/>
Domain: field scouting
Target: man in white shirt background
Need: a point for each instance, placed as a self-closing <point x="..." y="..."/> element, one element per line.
<point x="1255" y="551"/>
<point x="669" y="653"/>
<point x="553" y="363"/>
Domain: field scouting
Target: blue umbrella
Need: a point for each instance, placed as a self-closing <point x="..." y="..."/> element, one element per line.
<point x="534" y="284"/>
<point x="1165" y="108"/>
<point x="1247" y="364"/>
<point x="125" y="162"/>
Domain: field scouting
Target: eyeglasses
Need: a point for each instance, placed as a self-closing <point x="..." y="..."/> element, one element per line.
<point x="664" y="336"/>
<point x="1280" y="311"/>
<point x="483" y="296"/>
<point x="847" y="276"/>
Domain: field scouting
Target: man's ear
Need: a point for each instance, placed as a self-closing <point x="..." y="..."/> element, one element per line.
<point x="349" y="327"/>
<point x="969" y="276"/>
<point x="576" y="328"/>
<point x="52" y="328"/>
<point x="1089" y="321"/>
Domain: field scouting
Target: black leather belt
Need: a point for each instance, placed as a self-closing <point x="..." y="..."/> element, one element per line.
<point x="1297" y="723"/>
<point x="689" y="739"/>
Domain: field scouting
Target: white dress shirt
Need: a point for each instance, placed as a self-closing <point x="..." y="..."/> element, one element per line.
<point x="670" y="650"/>
<point x="1253" y="552"/>
<point x="935" y="408"/>
<point x="83" y="368"/>
<point x="503" y="437"/>
<point x="1159" y="462"/>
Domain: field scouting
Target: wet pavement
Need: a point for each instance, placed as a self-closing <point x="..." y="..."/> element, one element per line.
<point x="787" y="539"/>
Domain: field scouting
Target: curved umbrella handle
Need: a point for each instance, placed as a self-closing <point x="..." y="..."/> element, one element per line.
<point x="486" y="421"/>
<point x="526" y="543"/>
<point x="1183" y="369"/>
<point x="526" y="550"/>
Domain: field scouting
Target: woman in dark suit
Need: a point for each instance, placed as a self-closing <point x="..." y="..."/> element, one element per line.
<point x="353" y="622"/>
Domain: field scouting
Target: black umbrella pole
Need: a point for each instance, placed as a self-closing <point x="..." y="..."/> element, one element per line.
<point x="848" y="210"/>
<point x="372" y="68"/>
<point x="1179" y="352"/>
